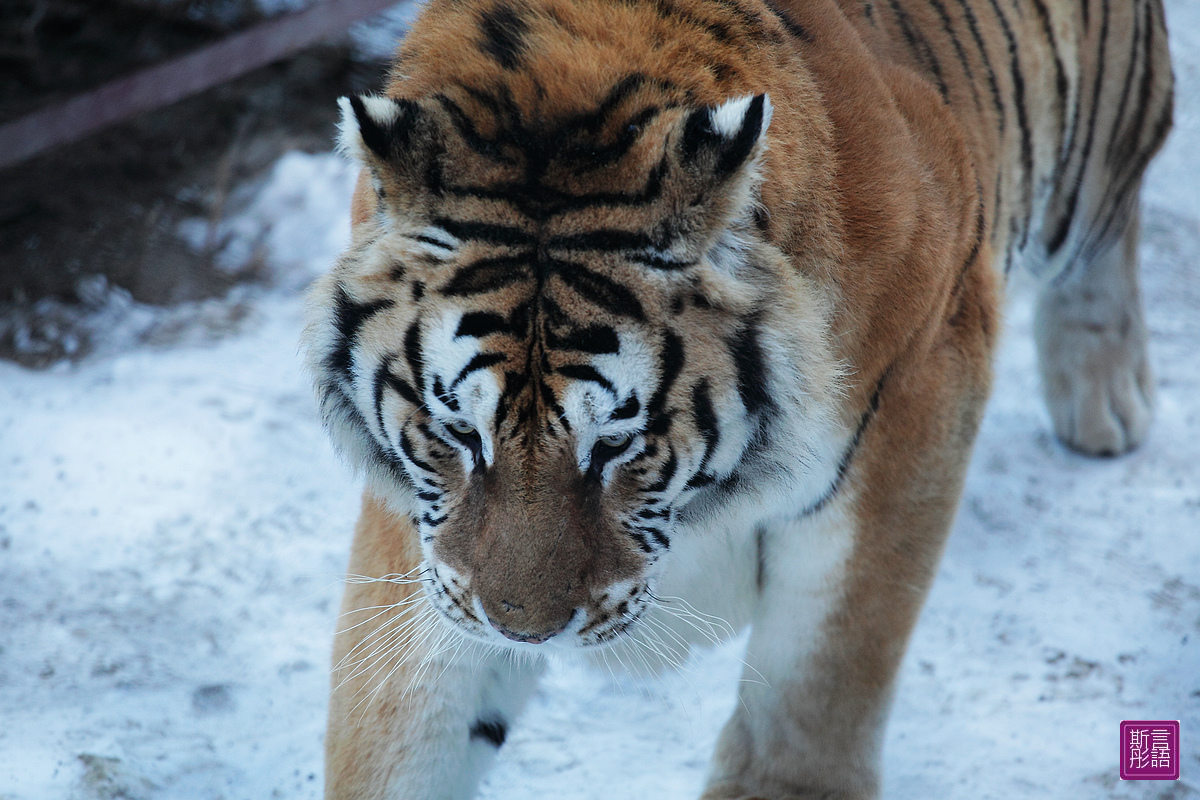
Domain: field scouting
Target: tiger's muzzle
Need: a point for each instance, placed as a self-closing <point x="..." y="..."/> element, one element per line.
<point x="537" y="547"/>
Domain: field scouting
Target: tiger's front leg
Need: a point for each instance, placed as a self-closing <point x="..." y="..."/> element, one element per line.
<point x="841" y="590"/>
<point x="799" y="730"/>
<point x="416" y="711"/>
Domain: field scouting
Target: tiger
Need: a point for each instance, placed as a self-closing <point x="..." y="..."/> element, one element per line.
<point x="666" y="311"/>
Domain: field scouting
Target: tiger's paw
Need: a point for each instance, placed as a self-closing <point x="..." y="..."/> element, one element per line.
<point x="1096" y="380"/>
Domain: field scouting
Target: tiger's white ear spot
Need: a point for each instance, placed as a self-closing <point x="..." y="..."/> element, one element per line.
<point x="726" y="138"/>
<point x="368" y="124"/>
<point x="729" y="117"/>
<point x="383" y="111"/>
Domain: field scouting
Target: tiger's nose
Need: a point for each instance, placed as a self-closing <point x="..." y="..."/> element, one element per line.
<point x="530" y="638"/>
<point x="512" y="621"/>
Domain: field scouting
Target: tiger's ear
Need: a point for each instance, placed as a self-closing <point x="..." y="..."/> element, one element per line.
<point x="397" y="141"/>
<point x="720" y="140"/>
<point x="375" y="127"/>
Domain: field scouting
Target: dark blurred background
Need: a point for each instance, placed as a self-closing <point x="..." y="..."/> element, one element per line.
<point x="98" y="218"/>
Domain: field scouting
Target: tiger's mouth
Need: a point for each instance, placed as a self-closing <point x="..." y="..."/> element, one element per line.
<point x="592" y="625"/>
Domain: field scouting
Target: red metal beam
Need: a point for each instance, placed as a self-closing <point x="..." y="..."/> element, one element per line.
<point x="173" y="80"/>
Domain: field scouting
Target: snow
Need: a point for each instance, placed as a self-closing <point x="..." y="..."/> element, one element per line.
<point x="292" y="222"/>
<point x="173" y="528"/>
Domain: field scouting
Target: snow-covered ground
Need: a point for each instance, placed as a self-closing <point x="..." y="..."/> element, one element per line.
<point x="173" y="528"/>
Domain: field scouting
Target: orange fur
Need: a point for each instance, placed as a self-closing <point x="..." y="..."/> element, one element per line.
<point x="896" y="183"/>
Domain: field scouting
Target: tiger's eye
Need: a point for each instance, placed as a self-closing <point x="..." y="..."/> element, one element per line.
<point x="461" y="428"/>
<point x="615" y="440"/>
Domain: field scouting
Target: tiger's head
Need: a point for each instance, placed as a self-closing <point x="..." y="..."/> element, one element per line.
<point x="561" y="340"/>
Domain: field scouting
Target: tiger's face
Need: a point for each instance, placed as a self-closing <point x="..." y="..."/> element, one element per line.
<point x="558" y="343"/>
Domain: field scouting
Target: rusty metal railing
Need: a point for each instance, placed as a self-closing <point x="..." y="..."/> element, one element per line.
<point x="172" y="80"/>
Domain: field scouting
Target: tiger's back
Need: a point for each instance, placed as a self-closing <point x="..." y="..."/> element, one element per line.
<point x="699" y="298"/>
<point x="1063" y="102"/>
